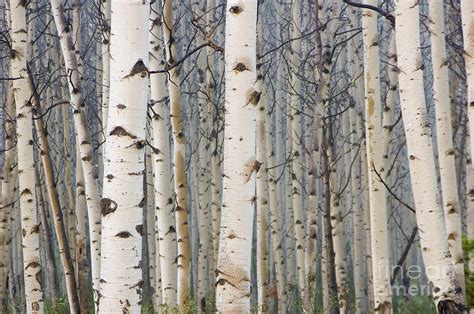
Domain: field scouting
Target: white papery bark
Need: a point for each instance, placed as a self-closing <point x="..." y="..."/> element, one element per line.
<point x="179" y="153"/>
<point x="377" y="194"/>
<point x="6" y="199"/>
<point x="163" y="182"/>
<point x="123" y="197"/>
<point x="296" y="147"/>
<point x="233" y="269"/>
<point x="105" y="6"/>
<point x="273" y="173"/>
<point x="26" y="164"/>
<point x="444" y="137"/>
<point x="262" y="192"/>
<point x="467" y="15"/>
<point x="83" y="139"/>
<point x="203" y="173"/>
<point x="82" y="265"/>
<point x="429" y="211"/>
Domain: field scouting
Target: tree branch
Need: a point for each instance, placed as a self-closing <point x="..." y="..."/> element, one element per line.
<point x="404" y="255"/>
<point x="385" y="14"/>
<point x="171" y="66"/>
<point x="390" y="191"/>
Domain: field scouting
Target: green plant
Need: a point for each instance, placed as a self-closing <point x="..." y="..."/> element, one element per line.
<point x="416" y="304"/>
<point x="59" y="307"/>
<point x="468" y="250"/>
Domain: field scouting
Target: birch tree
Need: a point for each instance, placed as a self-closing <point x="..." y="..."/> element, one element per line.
<point x="373" y="129"/>
<point x="444" y="133"/>
<point x="178" y="157"/>
<point x="447" y="292"/>
<point x="467" y="11"/>
<point x="165" y="218"/>
<point x="82" y="136"/>
<point x="123" y="201"/>
<point x="240" y="165"/>
<point x="26" y="169"/>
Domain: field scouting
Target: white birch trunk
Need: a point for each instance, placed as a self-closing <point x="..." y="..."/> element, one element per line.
<point x="105" y="6"/>
<point x="296" y="147"/>
<point x="179" y="155"/>
<point x="164" y="203"/>
<point x="215" y="169"/>
<point x="26" y="171"/>
<point x="81" y="239"/>
<point x="203" y="173"/>
<point x="377" y="194"/>
<point x="123" y="197"/>
<point x="233" y="269"/>
<point x="275" y="218"/>
<point x="467" y="14"/>
<point x="444" y="137"/>
<point x="447" y="292"/>
<point x="262" y="194"/>
<point x="83" y="139"/>
<point x="8" y="182"/>
<point x="338" y="234"/>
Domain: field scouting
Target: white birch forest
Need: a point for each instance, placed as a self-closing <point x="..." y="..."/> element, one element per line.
<point x="239" y="156"/>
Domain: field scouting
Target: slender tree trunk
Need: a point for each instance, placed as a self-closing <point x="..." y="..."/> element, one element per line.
<point x="179" y="154"/>
<point x="47" y="243"/>
<point x="337" y="231"/>
<point x="364" y="179"/>
<point x="262" y="193"/>
<point x="203" y="173"/>
<point x="447" y="292"/>
<point x="163" y="182"/>
<point x="240" y="165"/>
<point x="82" y="138"/>
<point x="215" y="170"/>
<point x="275" y="218"/>
<point x="105" y="6"/>
<point x="55" y="205"/>
<point x="467" y="11"/>
<point x="123" y="197"/>
<point x="296" y="147"/>
<point x="332" y="291"/>
<point x="374" y="135"/>
<point x="82" y="263"/>
<point x="28" y="211"/>
<point x="8" y="182"/>
<point x="155" y="285"/>
<point x="359" y="242"/>
<point x="444" y="132"/>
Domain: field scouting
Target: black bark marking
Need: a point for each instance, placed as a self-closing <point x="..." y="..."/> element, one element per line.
<point x="140" y="144"/>
<point x="253" y="97"/>
<point x="33" y="265"/>
<point x="25" y="191"/>
<point x="138" y="68"/>
<point x="120" y="131"/>
<point x="123" y="234"/>
<point x="107" y="206"/>
<point x="35" y="229"/>
<point x="139" y="229"/>
<point x="171" y="230"/>
<point x="15" y="54"/>
<point x="236" y="9"/>
<point x="240" y="67"/>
